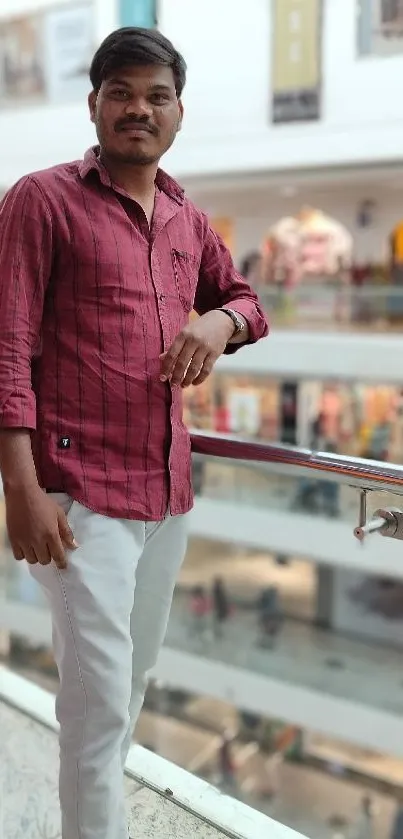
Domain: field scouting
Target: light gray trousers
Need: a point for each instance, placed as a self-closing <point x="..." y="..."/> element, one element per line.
<point x="110" y="611"/>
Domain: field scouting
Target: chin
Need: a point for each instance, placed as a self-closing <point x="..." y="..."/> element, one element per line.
<point x="142" y="159"/>
<point x="137" y="157"/>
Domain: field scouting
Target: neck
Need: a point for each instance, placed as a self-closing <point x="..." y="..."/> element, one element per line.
<point x="135" y="179"/>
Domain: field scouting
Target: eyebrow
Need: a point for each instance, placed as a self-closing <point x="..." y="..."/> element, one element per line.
<point x="124" y="83"/>
<point x="116" y="80"/>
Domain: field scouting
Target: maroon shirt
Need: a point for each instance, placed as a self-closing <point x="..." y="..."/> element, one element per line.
<point x="89" y="298"/>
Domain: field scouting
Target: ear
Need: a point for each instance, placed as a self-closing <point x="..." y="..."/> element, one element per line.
<point x="92" y="105"/>
<point x="180" y="120"/>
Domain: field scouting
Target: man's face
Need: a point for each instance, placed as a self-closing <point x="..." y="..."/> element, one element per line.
<point x="137" y="114"/>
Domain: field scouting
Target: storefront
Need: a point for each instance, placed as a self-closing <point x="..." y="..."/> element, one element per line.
<point x="358" y="420"/>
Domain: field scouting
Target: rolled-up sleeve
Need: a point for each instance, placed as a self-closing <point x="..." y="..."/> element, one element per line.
<point x="220" y="285"/>
<point x="25" y="266"/>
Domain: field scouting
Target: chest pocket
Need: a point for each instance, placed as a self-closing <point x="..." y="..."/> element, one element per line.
<point x="186" y="274"/>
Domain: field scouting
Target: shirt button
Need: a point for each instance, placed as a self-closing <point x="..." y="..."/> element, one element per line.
<point x="162" y="296"/>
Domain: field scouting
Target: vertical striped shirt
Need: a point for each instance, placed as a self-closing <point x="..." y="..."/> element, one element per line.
<point x="90" y="295"/>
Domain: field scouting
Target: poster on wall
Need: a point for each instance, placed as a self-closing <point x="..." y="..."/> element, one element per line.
<point x="380" y="27"/>
<point x="46" y="56"/>
<point x="296" y="60"/>
<point x="138" y="13"/>
<point x="69" y="47"/>
<point x="22" y="70"/>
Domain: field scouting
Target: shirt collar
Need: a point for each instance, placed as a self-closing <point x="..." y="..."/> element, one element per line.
<point x="163" y="181"/>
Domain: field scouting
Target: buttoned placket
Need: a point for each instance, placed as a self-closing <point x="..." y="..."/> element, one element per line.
<point x="151" y="234"/>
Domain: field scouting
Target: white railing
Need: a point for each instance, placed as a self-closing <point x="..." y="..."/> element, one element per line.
<point x="229" y="817"/>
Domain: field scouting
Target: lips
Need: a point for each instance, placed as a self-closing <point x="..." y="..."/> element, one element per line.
<point x="135" y="130"/>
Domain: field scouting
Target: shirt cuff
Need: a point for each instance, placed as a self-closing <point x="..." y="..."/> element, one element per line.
<point x="257" y="324"/>
<point x="19" y="411"/>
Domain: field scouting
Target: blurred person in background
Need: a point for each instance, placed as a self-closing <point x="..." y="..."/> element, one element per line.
<point x="221" y="413"/>
<point x="379" y="441"/>
<point x="102" y="261"/>
<point x="198" y="475"/>
<point x="227" y="766"/>
<point x="364" y="825"/>
<point x="397" y="827"/>
<point x="269" y="617"/>
<point x="251" y="268"/>
<point x="221" y="606"/>
<point x="200" y="608"/>
<point x="319" y="496"/>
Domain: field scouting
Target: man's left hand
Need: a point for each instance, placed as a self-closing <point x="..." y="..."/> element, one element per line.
<point x="191" y="358"/>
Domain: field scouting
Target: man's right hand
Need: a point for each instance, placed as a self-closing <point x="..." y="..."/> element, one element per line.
<point x="37" y="527"/>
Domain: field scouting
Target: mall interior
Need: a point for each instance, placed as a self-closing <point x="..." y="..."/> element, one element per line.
<point x="281" y="679"/>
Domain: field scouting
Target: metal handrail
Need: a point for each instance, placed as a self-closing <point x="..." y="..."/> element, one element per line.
<point x="357" y="472"/>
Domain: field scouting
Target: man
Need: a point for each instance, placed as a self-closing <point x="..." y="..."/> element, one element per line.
<point x="102" y="261"/>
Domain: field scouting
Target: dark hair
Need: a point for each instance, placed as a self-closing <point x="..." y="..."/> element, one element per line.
<point x="133" y="45"/>
<point x="248" y="262"/>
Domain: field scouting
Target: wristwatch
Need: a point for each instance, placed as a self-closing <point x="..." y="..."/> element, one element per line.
<point x="239" y="324"/>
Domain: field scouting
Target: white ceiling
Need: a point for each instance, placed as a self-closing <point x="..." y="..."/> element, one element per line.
<point x="287" y="184"/>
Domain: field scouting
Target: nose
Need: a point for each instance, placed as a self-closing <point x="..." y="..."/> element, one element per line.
<point x="139" y="107"/>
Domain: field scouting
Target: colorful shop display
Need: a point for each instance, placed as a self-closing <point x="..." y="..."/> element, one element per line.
<point x="308" y="247"/>
<point x="358" y="420"/>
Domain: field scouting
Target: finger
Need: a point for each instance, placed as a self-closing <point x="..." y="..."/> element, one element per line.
<point x="45" y="557"/>
<point x="168" y="359"/>
<point x="31" y="556"/>
<point x="194" y="368"/>
<point x="57" y="552"/>
<point x="18" y="553"/>
<point x="65" y="531"/>
<point x="41" y="552"/>
<point x="183" y="361"/>
<point x="206" y="370"/>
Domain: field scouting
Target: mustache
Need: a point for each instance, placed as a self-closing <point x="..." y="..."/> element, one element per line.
<point x="135" y="123"/>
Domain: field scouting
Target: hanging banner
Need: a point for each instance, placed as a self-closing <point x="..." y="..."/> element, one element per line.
<point x="138" y="13"/>
<point x="380" y="27"/>
<point x="296" y="64"/>
<point x="46" y="56"/>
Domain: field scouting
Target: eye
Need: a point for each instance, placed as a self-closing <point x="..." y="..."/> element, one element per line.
<point x="159" y="98"/>
<point x="119" y="93"/>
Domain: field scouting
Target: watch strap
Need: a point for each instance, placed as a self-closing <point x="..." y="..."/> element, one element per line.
<point x="239" y="325"/>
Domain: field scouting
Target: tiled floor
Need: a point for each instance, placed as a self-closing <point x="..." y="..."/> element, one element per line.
<point x="28" y="778"/>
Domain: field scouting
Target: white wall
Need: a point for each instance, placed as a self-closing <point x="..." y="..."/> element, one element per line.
<point x="228" y="100"/>
<point x="228" y="126"/>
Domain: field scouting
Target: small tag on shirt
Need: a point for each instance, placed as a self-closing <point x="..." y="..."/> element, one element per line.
<point x="64" y="443"/>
